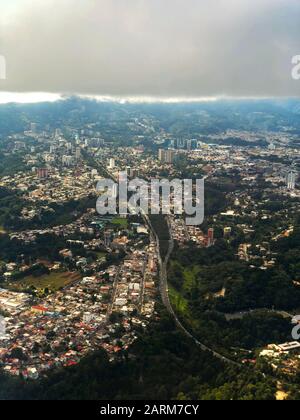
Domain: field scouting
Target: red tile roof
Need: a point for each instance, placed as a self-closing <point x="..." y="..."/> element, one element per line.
<point x="40" y="308"/>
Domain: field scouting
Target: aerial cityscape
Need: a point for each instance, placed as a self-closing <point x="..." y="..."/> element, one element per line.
<point x="98" y="303"/>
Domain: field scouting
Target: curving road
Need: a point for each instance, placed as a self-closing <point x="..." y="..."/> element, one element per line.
<point x="164" y="291"/>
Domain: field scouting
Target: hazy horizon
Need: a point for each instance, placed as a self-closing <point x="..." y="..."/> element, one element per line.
<point x="39" y="97"/>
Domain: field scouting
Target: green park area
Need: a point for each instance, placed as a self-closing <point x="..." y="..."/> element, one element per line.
<point x="53" y="281"/>
<point x="122" y="223"/>
<point x="101" y="255"/>
<point x="179" y="303"/>
<point x="188" y="275"/>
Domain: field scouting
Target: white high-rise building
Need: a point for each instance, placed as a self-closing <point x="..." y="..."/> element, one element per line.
<point x="272" y="146"/>
<point x="78" y="153"/>
<point x="67" y="160"/>
<point x="291" y="180"/>
<point x="161" y="155"/>
<point x="33" y="127"/>
<point x="112" y="163"/>
<point x="58" y="133"/>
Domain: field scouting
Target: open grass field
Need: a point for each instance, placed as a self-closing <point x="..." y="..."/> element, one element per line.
<point x="118" y="221"/>
<point x="101" y="254"/>
<point x="178" y="302"/>
<point x="189" y="275"/>
<point x="177" y="299"/>
<point x="53" y="281"/>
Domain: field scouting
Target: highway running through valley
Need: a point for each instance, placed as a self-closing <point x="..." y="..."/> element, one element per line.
<point x="164" y="291"/>
<point x="163" y="284"/>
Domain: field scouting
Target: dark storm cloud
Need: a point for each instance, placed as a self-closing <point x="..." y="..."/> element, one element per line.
<point x="189" y="48"/>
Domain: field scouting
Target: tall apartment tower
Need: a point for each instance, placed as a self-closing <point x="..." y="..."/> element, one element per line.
<point x="161" y="155"/>
<point x="210" y="237"/>
<point x="170" y="154"/>
<point x="33" y="127"/>
<point x="43" y="173"/>
<point x="112" y="163"/>
<point x="291" y="180"/>
<point x="78" y="153"/>
<point x="107" y="238"/>
<point x="166" y="156"/>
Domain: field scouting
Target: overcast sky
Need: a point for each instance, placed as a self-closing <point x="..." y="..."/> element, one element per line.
<point x="166" y="48"/>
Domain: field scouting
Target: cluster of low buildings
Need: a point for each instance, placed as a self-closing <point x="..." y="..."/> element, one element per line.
<point x="84" y="225"/>
<point x="134" y="283"/>
<point x="103" y="307"/>
<point x="13" y="302"/>
<point x="61" y="186"/>
<point x="66" y="326"/>
<point x="283" y="358"/>
<point x="184" y="234"/>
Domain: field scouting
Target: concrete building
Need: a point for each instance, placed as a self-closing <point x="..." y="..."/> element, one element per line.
<point x="291" y="180"/>
<point x="78" y="153"/>
<point x="43" y="173"/>
<point x="112" y="163"/>
<point x="166" y="156"/>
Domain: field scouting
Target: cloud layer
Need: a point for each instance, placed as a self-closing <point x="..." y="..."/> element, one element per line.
<point x="169" y="48"/>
